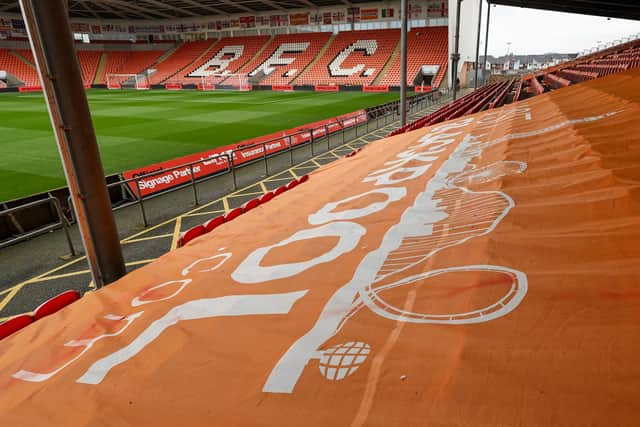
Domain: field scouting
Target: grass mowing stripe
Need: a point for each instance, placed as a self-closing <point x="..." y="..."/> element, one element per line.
<point x="139" y="128"/>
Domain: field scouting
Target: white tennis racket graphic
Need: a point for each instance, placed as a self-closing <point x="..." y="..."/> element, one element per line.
<point x="446" y="214"/>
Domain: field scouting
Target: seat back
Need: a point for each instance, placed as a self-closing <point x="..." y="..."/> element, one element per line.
<point x="213" y="223"/>
<point x="292" y="184"/>
<point x="303" y="178"/>
<point x="56" y="303"/>
<point x="192" y="233"/>
<point x="267" y="196"/>
<point x="14" y="324"/>
<point x="251" y="204"/>
<point x="232" y="214"/>
<point x="280" y="190"/>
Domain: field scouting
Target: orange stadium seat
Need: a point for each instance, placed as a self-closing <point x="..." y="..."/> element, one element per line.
<point x="250" y="47"/>
<point x="129" y="62"/>
<point x="56" y="303"/>
<point x="88" y="60"/>
<point x="183" y="56"/>
<point x="353" y="58"/>
<point x="293" y="62"/>
<point x="425" y="46"/>
<point x="12" y="64"/>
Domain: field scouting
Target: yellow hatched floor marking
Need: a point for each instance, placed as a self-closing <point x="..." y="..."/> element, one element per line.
<point x="203" y="213"/>
<point x="176" y="233"/>
<point x="144" y="239"/>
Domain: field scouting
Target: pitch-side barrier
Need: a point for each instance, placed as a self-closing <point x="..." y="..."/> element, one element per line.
<point x="319" y="139"/>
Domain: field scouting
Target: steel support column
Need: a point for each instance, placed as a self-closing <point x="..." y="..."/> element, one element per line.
<point x="455" y="56"/>
<point x="486" y="37"/>
<point x="52" y="43"/>
<point x="403" y="62"/>
<point x="475" y="82"/>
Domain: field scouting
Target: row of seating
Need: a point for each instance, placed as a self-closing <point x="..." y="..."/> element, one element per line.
<point x="295" y="51"/>
<point x="47" y="308"/>
<point x="15" y="66"/>
<point x="187" y="53"/>
<point x="128" y="62"/>
<point x="214" y="223"/>
<point x="228" y="56"/>
<point x="613" y="60"/>
<point x="425" y="46"/>
<point x="468" y="104"/>
<point x="353" y="58"/>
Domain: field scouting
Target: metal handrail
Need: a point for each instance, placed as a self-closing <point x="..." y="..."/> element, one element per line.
<point x="62" y="222"/>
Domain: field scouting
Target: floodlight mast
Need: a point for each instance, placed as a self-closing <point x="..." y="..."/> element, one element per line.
<point x="51" y="41"/>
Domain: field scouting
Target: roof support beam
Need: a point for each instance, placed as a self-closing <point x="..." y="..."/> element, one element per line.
<point x="142" y="11"/>
<point x="168" y="6"/>
<point x="206" y="7"/>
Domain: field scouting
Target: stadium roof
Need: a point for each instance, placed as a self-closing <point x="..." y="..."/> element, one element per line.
<point x="610" y="8"/>
<point x="171" y="9"/>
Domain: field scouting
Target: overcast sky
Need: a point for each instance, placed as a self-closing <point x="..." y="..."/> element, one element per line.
<point x="533" y="31"/>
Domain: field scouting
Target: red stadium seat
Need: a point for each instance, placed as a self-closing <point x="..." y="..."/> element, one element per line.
<point x="56" y="303"/>
<point x="14" y="324"/>
<point x="267" y="196"/>
<point x="292" y="184"/>
<point x="213" y="223"/>
<point x="191" y="234"/>
<point x="278" y="191"/>
<point x="251" y="204"/>
<point x="232" y="214"/>
<point x="303" y="178"/>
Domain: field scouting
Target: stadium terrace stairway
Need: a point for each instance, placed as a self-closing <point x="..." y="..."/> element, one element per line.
<point x="426" y="46"/>
<point x="130" y="62"/>
<point x="480" y="272"/>
<point x="182" y="57"/>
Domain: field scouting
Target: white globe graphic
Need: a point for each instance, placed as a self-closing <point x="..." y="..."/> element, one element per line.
<point x="339" y="361"/>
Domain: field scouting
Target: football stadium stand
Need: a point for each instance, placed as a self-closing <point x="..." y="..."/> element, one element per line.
<point x="426" y="47"/>
<point x="88" y="60"/>
<point x="285" y="57"/>
<point x="228" y="56"/>
<point x="353" y="58"/>
<point x="128" y="62"/>
<point x="183" y="56"/>
<point x="350" y="58"/>
<point x="16" y="64"/>
<point x="449" y="261"/>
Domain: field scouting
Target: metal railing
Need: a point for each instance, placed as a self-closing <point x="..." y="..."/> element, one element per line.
<point x="373" y="119"/>
<point x="62" y="222"/>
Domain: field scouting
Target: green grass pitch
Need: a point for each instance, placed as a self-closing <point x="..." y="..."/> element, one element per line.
<point x="138" y="128"/>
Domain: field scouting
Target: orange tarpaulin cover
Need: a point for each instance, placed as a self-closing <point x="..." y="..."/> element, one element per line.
<point x="480" y="272"/>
